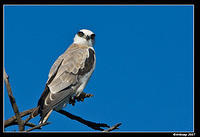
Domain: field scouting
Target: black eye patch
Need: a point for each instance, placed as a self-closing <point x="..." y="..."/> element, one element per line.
<point x="80" y="34"/>
<point x="92" y="36"/>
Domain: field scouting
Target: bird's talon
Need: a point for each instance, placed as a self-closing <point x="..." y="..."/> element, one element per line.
<point x="89" y="95"/>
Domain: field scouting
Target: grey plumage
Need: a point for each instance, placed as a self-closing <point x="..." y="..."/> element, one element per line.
<point x="67" y="78"/>
<point x="68" y="75"/>
<point x="72" y="60"/>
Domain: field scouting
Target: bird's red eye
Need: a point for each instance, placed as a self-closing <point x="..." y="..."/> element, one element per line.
<point x="80" y="34"/>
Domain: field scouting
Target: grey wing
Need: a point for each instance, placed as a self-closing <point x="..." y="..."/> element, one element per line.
<point x="72" y="61"/>
<point x="62" y="76"/>
<point x="50" y="101"/>
<point x="55" y="67"/>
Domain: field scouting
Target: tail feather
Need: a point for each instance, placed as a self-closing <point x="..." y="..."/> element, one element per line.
<point x="50" y="101"/>
<point x="44" y="118"/>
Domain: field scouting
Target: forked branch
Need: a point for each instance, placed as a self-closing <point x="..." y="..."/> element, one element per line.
<point x="13" y="102"/>
<point x="17" y="118"/>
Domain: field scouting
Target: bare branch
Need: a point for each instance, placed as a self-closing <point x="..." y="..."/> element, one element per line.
<point x="16" y="120"/>
<point x="93" y="125"/>
<point x="113" y="127"/>
<point x="29" y="118"/>
<point x="37" y="127"/>
<point x="13" y="102"/>
<point x="29" y="124"/>
<point x="13" y="119"/>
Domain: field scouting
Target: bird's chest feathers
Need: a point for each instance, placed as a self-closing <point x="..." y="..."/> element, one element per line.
<point x="87" y="71"/>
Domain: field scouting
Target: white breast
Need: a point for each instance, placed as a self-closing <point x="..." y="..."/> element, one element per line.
<point x="85" y="79"/>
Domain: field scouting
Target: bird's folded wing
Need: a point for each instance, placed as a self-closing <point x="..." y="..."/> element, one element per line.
<point x="54" y="68"/>
<point x="53" y="100"/>
<point x="65" y="69"/>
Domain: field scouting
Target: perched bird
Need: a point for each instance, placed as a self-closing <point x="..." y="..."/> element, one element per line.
<point x="69" y="75"/>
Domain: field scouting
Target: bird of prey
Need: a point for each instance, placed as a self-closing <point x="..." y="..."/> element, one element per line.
<point x="69" y="75"/>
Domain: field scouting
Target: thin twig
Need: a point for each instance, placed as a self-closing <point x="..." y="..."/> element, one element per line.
<point x="13" y="119"/>
<point x="31" y="115"/>
<point x="13" y="102"/>
<point x="113" y="127"/>
<point x="37" y="127"/>
<point x="29" y="124"/>
<point x="29" y="118"/>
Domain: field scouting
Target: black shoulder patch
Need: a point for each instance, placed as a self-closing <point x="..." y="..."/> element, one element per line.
<point x="88" y="63"/>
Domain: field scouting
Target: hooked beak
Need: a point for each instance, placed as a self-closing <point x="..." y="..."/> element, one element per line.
<point x="87" y="38"/>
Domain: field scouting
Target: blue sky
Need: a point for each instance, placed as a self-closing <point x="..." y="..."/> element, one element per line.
<point x="144" y="70"/>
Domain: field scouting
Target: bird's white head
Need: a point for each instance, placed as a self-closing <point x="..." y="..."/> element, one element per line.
<point x="85" y="37"/>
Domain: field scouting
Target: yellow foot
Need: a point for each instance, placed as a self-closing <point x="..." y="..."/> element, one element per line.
<point x="82" y="96"/>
